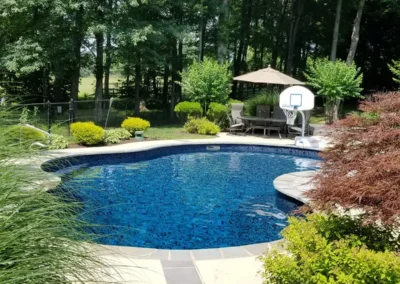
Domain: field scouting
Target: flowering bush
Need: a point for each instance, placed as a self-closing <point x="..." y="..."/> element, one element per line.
<point x="133" y="124"/>
<point x="87" y="133"/>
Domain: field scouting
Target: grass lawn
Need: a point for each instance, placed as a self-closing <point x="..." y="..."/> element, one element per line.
<point x="87" y="84"/>
<point x="169" y="132"/>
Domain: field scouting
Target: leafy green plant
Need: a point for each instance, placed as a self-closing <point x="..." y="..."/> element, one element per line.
<point x="87" y="133"/>
<point x="114" y="136"/>
<point x="57" y="142"/>
<point x="133" y="124"/>
<point x="318" y="253"/>
<point x="201" y="126"/>
<point x="185" y="109"/>
<point x="207" y="82"/>
<point x="265" y="97"/>
<point x="395" y="68"/>
<point x="334" y="81"/>
<point x="217" y="114"/>
<point x="25" y="135"/>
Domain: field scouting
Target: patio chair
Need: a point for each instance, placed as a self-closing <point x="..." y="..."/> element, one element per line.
<point x="279" y="126"/>
<point x="235" y="123"/>
<point x="296" y="129"/>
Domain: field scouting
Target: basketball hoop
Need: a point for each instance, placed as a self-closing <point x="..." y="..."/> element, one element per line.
<point x="291" y="116"/>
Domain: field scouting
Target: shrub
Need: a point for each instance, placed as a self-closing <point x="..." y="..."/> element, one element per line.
<point x="217" y="114"/>
<point x="57" y="142"/>
<point x="201" y="126"/>
<point x="25" y="134"/>
<point x="270" y="98"/>
<point x="318" y="254"/>
<point x="395" y="69"/>
<point x="185" y="109"/>
<point x="87" y="133"/>
<point x="114" y="136"/>
<point x="361" y="169"/>
<point x="206" y="82"/>
<point x="334" y="81"/>
<point x="133" y="124"/>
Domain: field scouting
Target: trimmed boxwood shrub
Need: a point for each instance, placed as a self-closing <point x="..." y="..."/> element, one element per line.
<point x="133" y="124"/>
<point x="184" y="110"/>
<point x="217" y="114"/>
<point x="87" y="133"/>
<point x="201" y="126"/>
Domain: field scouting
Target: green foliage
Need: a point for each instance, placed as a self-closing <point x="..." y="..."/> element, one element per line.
<point x="207" y="82"/>
<point x="25" y="134"/>
<point x="201" y="126"/>
<point x="133" y="124"/>
<point x="114" y="136"/>
<point x="217" y="114"/>
<point x="334" y="80"/>
<point x="57" y="142"/>
<point x="323" y="250"/>
<point x="87" y="133"/>
<point x="395" y="69"/>
<point x="42" y="240"/>
<point x="185" y="109"/>
<point x="265" y="97"/>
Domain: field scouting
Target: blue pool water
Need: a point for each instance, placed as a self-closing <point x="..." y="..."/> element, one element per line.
<point x="185" y="198"/>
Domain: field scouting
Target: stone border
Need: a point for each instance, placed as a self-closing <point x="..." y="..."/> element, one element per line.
<point x="174" y="255"/>
<point x="295" y="184"/>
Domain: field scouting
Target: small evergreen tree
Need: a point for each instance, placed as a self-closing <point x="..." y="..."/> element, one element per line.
<point x="395" y="68"/>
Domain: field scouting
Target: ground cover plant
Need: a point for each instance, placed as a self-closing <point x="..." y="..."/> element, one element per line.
<point x="41" y="240"/>
<point x="356" y="240"/>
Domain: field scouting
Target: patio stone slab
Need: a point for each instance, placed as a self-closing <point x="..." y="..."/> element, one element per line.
<point x="182" y="276"/>
<point x="202" y="254"/>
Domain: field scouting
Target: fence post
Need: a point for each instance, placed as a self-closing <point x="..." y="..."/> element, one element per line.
<point x="48" y="116"/>
<point x="71" y="113"/>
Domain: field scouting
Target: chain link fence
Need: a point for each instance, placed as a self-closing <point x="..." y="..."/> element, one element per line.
<point x="107" y="113"/>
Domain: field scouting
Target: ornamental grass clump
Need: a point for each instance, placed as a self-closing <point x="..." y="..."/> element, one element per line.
<point x="41" y="238"/>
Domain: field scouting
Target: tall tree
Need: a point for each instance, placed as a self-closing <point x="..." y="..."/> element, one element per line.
<point x="223" y="31"/>
<point x="355" y="36"/>
<point x="296" y="14"/>
<point x="336" y="30"/>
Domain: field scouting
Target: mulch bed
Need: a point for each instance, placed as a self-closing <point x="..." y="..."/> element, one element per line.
<point x="132" y="140"/>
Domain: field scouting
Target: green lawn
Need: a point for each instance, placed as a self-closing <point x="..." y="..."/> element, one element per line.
<point x="172" y="132"/>
<point x="87" y="84"/>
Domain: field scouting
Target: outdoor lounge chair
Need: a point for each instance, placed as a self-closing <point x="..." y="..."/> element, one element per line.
<point x="235" y="123"/>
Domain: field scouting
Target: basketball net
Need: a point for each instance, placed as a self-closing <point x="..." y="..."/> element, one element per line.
<point x="290" y="116"/>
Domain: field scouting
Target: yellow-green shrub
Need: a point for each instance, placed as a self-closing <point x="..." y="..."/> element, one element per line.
<point x="25" y="135"/>
<point x="133" y="124"/>
<point x="217" y="113"/>
<point x="201" y="126"/>
<point x="87" y="133"/>
<point x="184" y="110"/>
<point x="321" y="250"/>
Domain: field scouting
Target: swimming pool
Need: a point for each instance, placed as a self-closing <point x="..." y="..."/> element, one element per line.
<point x="184" y="197"/>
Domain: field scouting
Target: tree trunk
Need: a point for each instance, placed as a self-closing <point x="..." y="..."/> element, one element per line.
<point x="138" y="80"/>
<point x="355" y="36"/>
<point x="99" y="74"/>
<point x="57" y="89"/>
<point x="202" y="33"/>
<point x="223" y="32"/>
<point x="336" y="31"/>
<point x="294" y="25"/>
<point x="78" y="39"/>
<point x="165" y="84"/>
<point x="107" y="67"/>
<point x="278" y="35"/>
<point x="174" y="78"/>
<point x="180" y="69"/>
<point x="46" y="84"/>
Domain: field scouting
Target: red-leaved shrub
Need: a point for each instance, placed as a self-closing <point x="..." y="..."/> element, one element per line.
<point x="362" y="169"/>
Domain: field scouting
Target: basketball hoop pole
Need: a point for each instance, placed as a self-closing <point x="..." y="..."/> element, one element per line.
<point x="303" y="124"/>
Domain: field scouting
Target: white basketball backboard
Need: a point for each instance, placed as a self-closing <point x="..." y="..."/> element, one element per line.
<point x="296" y="98"/>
